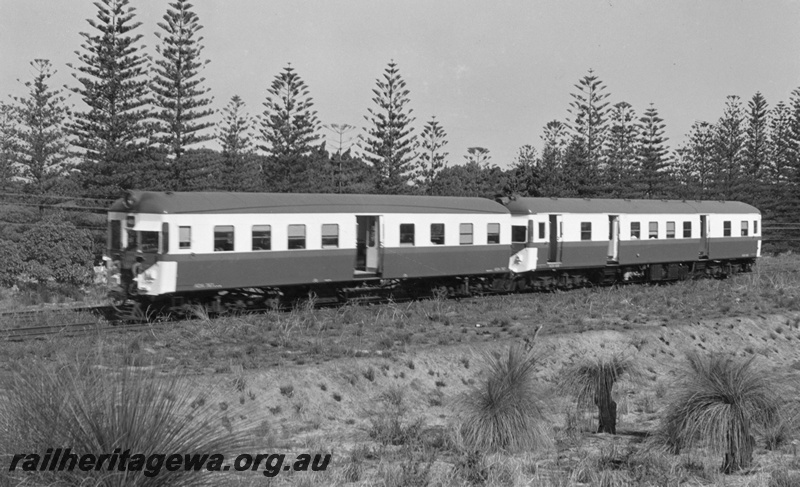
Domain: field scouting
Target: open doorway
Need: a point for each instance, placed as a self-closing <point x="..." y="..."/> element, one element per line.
<point x="368" y="248"/>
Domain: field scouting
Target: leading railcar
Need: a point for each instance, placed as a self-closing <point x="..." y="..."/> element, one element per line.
<point x="237" y="250"/>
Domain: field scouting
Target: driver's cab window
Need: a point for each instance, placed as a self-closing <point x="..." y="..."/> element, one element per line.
<point x="148" y="242"/>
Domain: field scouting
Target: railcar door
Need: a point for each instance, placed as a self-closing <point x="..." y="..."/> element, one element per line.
<point x="703" y="237"/>
<point x="368" y="245"/>
<point x="613" y="238"/>
<point x="554" y="245"/>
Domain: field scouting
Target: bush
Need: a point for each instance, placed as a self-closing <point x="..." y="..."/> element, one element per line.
<point x="592" y="382"/>
<point x="10" y="262"/>
<point x="388" y="421"/>
<point x="55" y="250"/>
<point x="97" y="410"/>
<point x="504" y="411"/>
<point x="719" y="401"/>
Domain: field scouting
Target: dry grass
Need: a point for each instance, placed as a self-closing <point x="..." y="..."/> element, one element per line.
<point x="253" y="356"/>
<point x="96" y="409"/>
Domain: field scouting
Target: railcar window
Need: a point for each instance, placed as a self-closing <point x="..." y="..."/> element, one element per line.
<point x="726" y="229"/>
<point x="493" y="233"/>
<point x="297" y="237"/>
<point x="330" y="236"/>
<point x="586" y="230"/>
<point x="744" y="228"/>
<point x="406" y="234"/>
<point x="115" y="234"/>
<point x="755" y="227"/>
<point x="223" y="238"/>
<point x="437" y="233"/>
<point x="519" y="234"/>
<point x="636" y="230"/>
<point x="670" y="229"/>
<point x="184" y="237"/>
<point x="541" y="230"/>
<point x="653" y="230"/>
<point x="687" y="229"/>
<point x="148" y="241"/>
<point x="262" y="237"/>
<point x="465" y="234"/>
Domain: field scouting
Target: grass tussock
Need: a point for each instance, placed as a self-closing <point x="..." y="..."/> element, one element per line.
<point x="720" y="403"/>
<point x="96" y="409"/>
<point x="505" y="410"/>
<point x="592" y="383"/>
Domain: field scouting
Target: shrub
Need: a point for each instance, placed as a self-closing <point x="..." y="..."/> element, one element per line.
<point x="388" y="422"/>
<point x="10" y="263"/>
<point x="783" y="478"/>
<point x="97" y="410"/>
<point x="592" y="383"/>
<point x="718" y="402"/>
<point x="54" y="250"/>
<point x="414" y="470"/>
<point x="504" y="410"/>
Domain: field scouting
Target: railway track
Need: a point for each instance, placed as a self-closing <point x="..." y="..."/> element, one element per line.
<point x="38" y="316"/>
<point x="68" y="330"/>
<point x="24" y="324"/>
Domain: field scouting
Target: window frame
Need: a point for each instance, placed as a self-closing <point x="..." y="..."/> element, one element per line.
<point x="671" y="233"/>
<point x="115" y="235"/>
<point x="218" y="230"/>
<point x="261" y="238"/>
<point x="687" y="229"/>
<point x="404" y="234"/>
<point x="181" y="240"/>
<point x="332" y="238"/>
<point x="745" y="228"/>
<point x="636" y="231"/>
<point x="515" y="229"/>
<point x="296" y="238"/>
<point x="492" y="238"/>
<point x="586" y="231"/>
<point x="438" y="230"/>
<point x="652" y="230"/>
<point x="462" y="234"/>
<point x="726" y="228"/>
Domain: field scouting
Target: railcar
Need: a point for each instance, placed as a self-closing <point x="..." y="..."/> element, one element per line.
<point x="221" y="250"/>
<point x="236" y="248"/>
<point x="570" y="241"/>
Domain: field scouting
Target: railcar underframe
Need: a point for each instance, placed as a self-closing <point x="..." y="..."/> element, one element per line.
<point x="368" y="290"/>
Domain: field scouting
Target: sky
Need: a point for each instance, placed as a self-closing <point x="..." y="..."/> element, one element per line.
<point x="492" y="73"/>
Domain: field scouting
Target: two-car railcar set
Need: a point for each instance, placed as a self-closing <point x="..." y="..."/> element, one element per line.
<point x="223" y="250"/>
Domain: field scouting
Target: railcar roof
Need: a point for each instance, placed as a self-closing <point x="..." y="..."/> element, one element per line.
<point x="200" y="202"/>
<point x="526" y="206"/>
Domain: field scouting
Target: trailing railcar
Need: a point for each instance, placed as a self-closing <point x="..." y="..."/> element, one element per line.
<point x="177" y="247"/>
<point x="572" y="241"/>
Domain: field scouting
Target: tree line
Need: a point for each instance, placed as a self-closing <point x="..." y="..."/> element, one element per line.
<point x="147" y="124"/>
